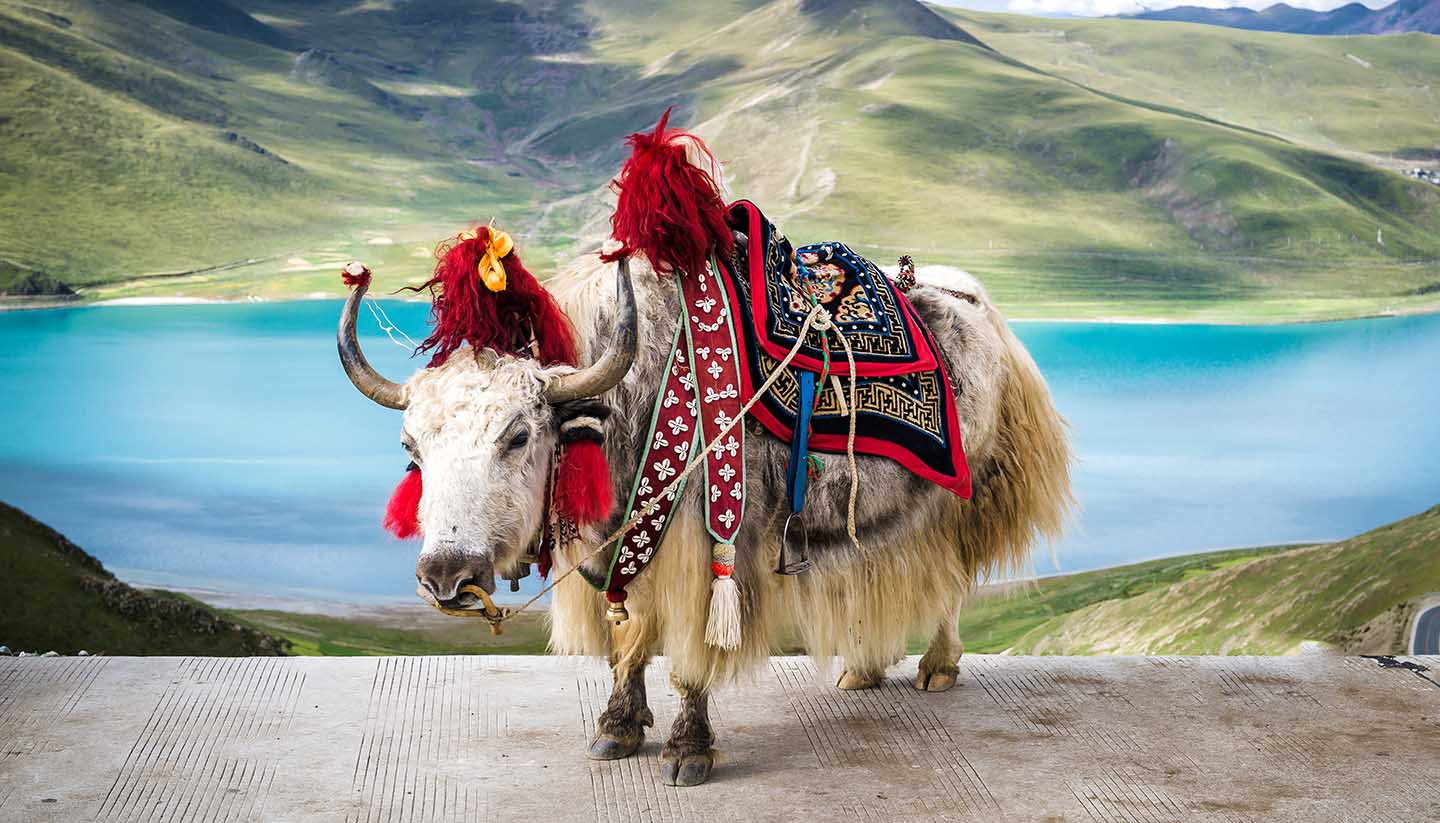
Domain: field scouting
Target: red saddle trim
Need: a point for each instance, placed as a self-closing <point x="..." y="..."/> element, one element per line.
<point x="925" y="358"/>
<point x="959" y="484"/>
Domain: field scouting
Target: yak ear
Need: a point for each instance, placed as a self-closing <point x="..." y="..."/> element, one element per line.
<point x="584" y="491"/>
<point x="582" y="420"/>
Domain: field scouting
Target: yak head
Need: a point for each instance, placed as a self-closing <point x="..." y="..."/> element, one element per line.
<point x="483" y="430"/>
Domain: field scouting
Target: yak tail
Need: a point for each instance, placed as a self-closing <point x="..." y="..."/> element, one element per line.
<point x="1024" y="496"/>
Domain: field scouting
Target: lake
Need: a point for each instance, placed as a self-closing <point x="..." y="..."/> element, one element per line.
<point x="220" y="446"/>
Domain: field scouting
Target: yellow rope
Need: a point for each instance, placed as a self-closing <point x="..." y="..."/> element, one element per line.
<point x="850" y="443"/>
<point x="815" y="318"/>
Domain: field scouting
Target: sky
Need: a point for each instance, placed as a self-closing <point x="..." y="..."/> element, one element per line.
<point x="1101" y="8"/>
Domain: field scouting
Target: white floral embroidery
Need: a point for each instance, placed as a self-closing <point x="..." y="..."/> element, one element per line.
<point x="677" y="425"/>
<point x="663" y="469"/>
<point x="641" y="539"/>
<point x="722" y="419"/>
<point x="671" y="398"/>
<point x="726" y="472"/>
<point x="736" y="493"/>
<point x="732" y="445"/>
<point x="704" y="352"/>
<point x="705" y="304"/>
<point x="688" y="381"/>
<point x="715" y="370"/>
<point x="628" y="568"/>
<point x="657" y="523"/>
<point x="728" y="518"/>
<point x="660" y="441"/>
<point x="645" y="488"/>
<point x="682" y="451"/>
<point x="724" y="353"/>
<point x="714" y="493"/>
<point x="729" y="391"/>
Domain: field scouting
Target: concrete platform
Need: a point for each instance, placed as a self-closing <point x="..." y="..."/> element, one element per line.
<point x="482" y="739"/>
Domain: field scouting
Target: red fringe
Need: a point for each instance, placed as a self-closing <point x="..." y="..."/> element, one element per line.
<point x="668" y="209"/>
<point x="583" y="491"/>
<point x="465" y="311"/>
<point x="402" y="515"/>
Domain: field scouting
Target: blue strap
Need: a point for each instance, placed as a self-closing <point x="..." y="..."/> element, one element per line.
<point x="798" y="478"/>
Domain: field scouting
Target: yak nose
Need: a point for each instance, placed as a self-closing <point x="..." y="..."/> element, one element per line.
<point x="443" y="573"/>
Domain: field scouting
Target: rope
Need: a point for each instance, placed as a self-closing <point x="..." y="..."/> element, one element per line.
<point x="387" y="325"/>
<point x="850" y="439"/>
<point x="817" y="316"/>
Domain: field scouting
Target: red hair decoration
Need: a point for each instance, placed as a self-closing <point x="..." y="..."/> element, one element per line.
<point x="583" y="491"/>
<point x="402" y="515"/>
<point x="668" y="208"/>
<point x="464" y="310"/>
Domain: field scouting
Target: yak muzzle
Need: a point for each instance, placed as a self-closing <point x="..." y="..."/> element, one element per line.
<point x="441" y="574"/>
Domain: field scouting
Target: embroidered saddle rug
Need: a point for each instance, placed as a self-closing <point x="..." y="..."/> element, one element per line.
<point x="906" y="409"/>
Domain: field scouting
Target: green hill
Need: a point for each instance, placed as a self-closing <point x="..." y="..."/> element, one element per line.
<point x="58" y="598"/>
<point x="244" y="148"/>
<point x="1356" y="595"/>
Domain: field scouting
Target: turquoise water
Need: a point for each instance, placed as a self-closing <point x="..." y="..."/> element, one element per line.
<point x="220" y="445"/>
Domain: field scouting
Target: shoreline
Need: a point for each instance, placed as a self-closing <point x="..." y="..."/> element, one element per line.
<point x="80" y="301"/>
<point x="370" y="609"/>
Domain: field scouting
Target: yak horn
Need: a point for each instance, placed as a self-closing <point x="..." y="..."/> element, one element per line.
<point x="357" y="368"/>
<point x="615" y="363"/>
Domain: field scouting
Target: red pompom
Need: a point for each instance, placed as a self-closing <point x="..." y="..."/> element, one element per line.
<point x="402" y="515"/>
<point x="583" y="491"/>
<point x="463" y="310"/>
<point x="669" y="208"/>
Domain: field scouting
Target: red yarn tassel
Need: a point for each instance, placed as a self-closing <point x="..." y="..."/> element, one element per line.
<point x="668" y="208"/>
<point x="402" y="515"/>
<point x="583" y="491"/>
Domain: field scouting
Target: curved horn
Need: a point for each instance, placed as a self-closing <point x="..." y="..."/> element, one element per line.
<point x="615" y="363"/>
<point x="357" y="368"/>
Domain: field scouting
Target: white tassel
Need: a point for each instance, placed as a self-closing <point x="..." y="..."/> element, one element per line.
<point x="722" y="629"/>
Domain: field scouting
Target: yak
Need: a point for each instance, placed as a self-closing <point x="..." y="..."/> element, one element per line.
<point x="484" y="427"/>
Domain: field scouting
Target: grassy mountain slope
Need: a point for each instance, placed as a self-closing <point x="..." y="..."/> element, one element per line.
<point x="1004" y="613"/>
<point x="299" y="135"/>
<point x="1373" y="96"/>
<point x="1354" y="594"/>
<point x="57" y="597"/>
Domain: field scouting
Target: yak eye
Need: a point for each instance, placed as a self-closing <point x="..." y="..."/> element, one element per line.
<point x="519" y="440"/>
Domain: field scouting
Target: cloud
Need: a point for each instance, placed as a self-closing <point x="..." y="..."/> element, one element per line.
<point x="1103" y="8"/>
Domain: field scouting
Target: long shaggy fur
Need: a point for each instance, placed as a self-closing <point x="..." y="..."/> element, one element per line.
<point x="923" y="551"/>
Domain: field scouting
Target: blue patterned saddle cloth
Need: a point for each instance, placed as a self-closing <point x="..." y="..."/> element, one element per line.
<point x="905" y="405"/>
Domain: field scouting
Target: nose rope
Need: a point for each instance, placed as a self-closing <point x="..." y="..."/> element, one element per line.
<point x="819" y="320"/>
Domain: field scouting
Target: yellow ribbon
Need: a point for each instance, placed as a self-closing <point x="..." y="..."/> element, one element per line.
<point x="490" y="270"/>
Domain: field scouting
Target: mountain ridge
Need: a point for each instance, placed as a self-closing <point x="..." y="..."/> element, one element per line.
<point x="1350" y="19"/>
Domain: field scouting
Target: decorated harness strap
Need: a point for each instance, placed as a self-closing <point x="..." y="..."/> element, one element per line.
<point x="700" y="397"/>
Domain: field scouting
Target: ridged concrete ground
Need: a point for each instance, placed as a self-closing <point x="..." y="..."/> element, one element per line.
<point x="480" y="739"/>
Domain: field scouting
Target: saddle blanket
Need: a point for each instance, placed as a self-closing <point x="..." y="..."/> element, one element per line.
<point x="905" y="406"/>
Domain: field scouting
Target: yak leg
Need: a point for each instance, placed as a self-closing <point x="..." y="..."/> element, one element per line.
<point x="852" y="679"/>
<point x="940" y="665"/>
<point x="688" y="757"/>
<point x="620" y="729"/>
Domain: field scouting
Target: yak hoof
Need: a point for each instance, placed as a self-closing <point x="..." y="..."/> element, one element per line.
<point x="686" y="770"/>
<point x="850" y="681"/>
<point x="609" y="747"/>
<point x="934" y="681"/>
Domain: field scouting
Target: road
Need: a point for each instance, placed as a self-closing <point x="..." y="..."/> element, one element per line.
<point x="1427" y="632"/>
<point x="502" y="740"/>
